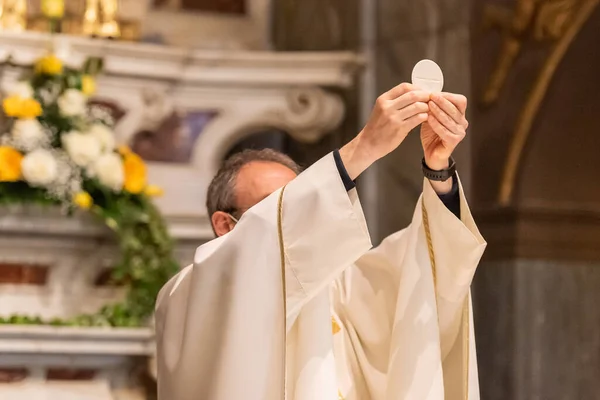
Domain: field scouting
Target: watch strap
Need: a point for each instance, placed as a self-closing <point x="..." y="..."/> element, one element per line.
<point x="441" y="175"/>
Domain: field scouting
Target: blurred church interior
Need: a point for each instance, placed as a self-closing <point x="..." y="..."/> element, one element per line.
<point x="189" y="82"/>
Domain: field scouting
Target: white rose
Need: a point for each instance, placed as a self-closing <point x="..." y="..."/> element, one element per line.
<point x="72" y="103"/>
<point x="109" y="171"/>
<point x="20" y="89"/>
<point x="104" y="135"/>
<point x="81" y="147"/>
<point x="28" y="134"/>
<point x="39" y="167"/>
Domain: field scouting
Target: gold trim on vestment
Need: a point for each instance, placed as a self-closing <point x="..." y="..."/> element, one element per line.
<point x="334" y="325"/>
<point x="282" y="265"/>
<point x="465" y="313"/>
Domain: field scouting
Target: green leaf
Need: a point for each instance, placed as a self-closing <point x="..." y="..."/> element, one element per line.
<point x="93" y="66"/>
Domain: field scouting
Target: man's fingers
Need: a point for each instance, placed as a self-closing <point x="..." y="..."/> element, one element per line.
<point x="414" y="121"/>
<point x="413" y="109"/>
<point x="399" y="90"/>
<point x="442" y="117"/>
<point x="409" y="98"/>
<point x="444" y="133"/>
<point x="459" y="101"/>
<point x="448" y="107"/>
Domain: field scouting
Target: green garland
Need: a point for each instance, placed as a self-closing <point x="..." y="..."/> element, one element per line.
<point x="146" y="254"/>
<point x="146" y="248"/>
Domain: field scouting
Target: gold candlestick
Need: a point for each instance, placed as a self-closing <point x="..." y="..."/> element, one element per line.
<point x="90" y="17"/>
<point x="110" y="26"/>
<point x="13" y="15"/>
<point x="53" y="9"/>
<point x="100" y="18"/>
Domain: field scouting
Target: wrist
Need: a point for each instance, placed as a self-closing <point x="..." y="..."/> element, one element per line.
<point x="437" y="164"/>
<point x="357" y="156"/>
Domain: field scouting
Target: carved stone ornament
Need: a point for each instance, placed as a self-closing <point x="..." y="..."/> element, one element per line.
<point x="72" y="363"/>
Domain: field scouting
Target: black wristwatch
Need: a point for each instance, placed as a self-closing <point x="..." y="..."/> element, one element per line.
<point x="442" y="175"/>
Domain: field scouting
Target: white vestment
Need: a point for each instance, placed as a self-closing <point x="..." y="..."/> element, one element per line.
<point x="220" y="322"/>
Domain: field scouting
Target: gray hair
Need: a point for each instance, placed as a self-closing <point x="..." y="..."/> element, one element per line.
<point x="221" y="191"/>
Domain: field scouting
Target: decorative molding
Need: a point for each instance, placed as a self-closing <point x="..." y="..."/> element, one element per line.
<point x="63" y="390"/>
<point x="36" y="221"/>
<point x="305" y="113"/>
<point x="39" y="220"/>
<point x="213" y="67"/>
<point x="39" y="340"/>
<point x="310" y="112"/>
<point x="34" y="360"/>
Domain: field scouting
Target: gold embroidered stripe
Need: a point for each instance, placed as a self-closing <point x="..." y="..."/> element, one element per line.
<point x="465" y="313"/>
<point x="284" y="291"/>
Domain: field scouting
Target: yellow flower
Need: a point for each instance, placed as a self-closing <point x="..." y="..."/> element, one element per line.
<point x="12" y="106"/>
<point x="10" y="164"/>
<point x="30" y="108"/>
<point x="17" y="107"/>
<point x="135" y="173"/>
<point x="22" y="108"/>
<point x="49" y="65"/>
<point x="88" y="85"/>
<point x="53" y="8"/>
<point x="83" y="200"/>
<point x="124" y="150"/>
<point x="154" y="191"/>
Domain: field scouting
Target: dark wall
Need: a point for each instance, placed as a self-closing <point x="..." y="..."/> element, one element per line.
<point x="536" y="291"/>
<point x="556" y="179"/>
<point x="565" y="130"/>
<point x="316" y="25"/>
<point x="319" y="25"/>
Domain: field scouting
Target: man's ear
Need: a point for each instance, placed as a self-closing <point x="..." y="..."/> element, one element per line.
<point x="221" y="222"/>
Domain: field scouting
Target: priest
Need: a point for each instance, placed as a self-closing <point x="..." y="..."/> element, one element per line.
<point x="290" y="301"/>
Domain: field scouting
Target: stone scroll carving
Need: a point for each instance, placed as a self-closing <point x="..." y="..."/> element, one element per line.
<point x="310" y="113"/>
<point x="307" y="114"/>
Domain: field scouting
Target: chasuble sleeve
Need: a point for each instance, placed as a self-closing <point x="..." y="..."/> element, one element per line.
<point x="386" y="301"/>
<point x="324" y="232"/>
<point x="220" y="323"/>
<point x="458" y="247"/>
<point x="375" y="278"/>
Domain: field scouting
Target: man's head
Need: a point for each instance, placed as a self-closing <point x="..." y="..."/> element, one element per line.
<point x="244" y="180"/>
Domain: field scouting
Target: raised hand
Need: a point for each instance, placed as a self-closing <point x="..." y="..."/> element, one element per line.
<point x="444" y="129"/>
<point x="394" y="115"/>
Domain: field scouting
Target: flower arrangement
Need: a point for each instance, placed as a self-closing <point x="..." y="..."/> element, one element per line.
<point x="57" y="149"/>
